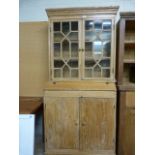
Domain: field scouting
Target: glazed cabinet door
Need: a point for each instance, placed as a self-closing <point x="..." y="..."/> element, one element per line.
<point x="65" y="41"/>
<point x="97" y="120"/>
<point x="82" y="48"/>
<point x="61" y="123"/>
<point x="98" y="45"/>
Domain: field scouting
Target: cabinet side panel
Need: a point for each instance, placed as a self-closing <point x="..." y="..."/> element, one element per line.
<point x="130" y="124"/>
<point x="126" y="130"/>
<point x="120" y="50"/>
<point x="62" y="119"/>
<point x="97" y="124"/>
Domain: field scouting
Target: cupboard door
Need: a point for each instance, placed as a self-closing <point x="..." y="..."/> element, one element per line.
<point x="98" y="49"/>
<point x="97" y="129"/>
<point x="66" y="34"/>
<point x="62" y="123"/>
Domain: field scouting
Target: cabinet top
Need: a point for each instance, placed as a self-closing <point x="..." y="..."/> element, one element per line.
<point x="127" y="14"/>
<point x="80" y="85"/>
<point x="82" y="11"/>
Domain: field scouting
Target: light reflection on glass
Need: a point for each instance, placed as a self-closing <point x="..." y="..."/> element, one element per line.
<point x="107" y="24"/>
<point x="97" y="47"/>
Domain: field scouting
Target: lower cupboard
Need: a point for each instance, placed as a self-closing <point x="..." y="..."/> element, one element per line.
<point x="80" y="124"/>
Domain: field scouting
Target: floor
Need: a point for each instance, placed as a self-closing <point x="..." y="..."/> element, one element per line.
<point x="39" y="144"/>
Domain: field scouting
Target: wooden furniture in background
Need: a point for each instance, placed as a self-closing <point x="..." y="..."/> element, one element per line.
<point x="126" y="84"/>
<point x="126" y="123"/>
<point x="30" y="105"/>
<point x="80" y="97"/>
<point x="126" y="50"/>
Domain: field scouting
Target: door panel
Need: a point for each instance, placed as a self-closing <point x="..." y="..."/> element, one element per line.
<point x="66" y="44"/>
<point x="97" y="45"/>
<point x="62" y="123"/>
<point x="97" y="124"/>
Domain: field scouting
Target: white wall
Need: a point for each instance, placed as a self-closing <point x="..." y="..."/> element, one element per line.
<point x="34" y="10"/>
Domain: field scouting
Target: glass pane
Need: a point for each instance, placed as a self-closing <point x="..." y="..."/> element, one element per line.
<point x="74" y="73"/>
<point x="56" y="49"/>
<point x="106" y="73"/>
<point x="58" y="63"/>
<point x="88" y="46"/>
<point x="57" y="26"/>
<point x="105" y="63"/>
<point x="90" y="63"/>
<point x="65" y="27"/>
<point x="74" y="49"/>
<point x="97" y="71"/>
<point x="73" y="63"/>
<point x="90" y="36"/>
<point x="98" y="25"/>
<point x="88" y="72"/>
<point x="73" y="36"/>
<point x="66" y="71"/>
<point x="89" y="25"/>
<point x="74" y="26"/>
<point x="65" y="48"/>
<point x="57" y="73"/>
<point x="106" y="48"/>
<point x="107" y="24"/>
<point x="105" y="35"/>
<point x="88" y="49"/>
<point x="97" y="47"/>
<point x="58" y="37"/>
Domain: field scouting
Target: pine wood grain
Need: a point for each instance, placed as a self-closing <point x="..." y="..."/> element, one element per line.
<point x="62" y="123"/>
<point x="80" y="85"/>
<point x="97" y="124"/>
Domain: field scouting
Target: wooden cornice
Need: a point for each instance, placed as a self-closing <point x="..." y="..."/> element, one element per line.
<point x="82" y="11"/>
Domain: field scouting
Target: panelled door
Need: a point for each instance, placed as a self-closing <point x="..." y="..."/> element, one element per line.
<point x="80" y="123"/>
<point x="97" y="119"/>
<point x="62" y="123"/>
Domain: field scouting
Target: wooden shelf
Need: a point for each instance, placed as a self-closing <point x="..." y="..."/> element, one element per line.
<point x="129" y="41"/>
<point x="126" y="87"/>
<point x="132" y="61"/>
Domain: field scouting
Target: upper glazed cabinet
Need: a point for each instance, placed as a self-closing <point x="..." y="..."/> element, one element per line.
<point x="82" y="43"/>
